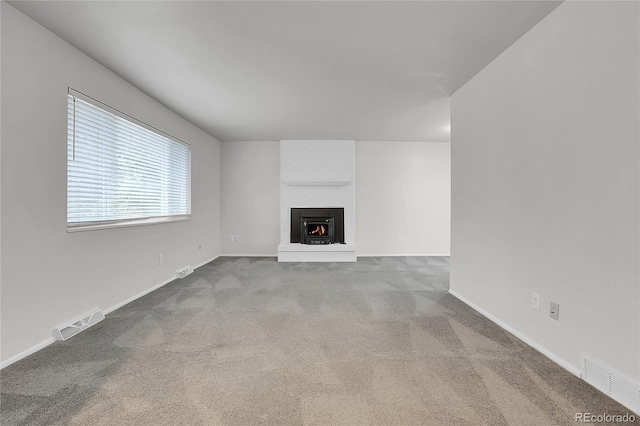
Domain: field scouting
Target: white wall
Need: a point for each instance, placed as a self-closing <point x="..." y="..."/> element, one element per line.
<point x="403" y="189"/>
<point x="49" y="276"/>
<point x="250" y="197"/>
<point x="402" y="183"/>
<point x="545" y="185"/>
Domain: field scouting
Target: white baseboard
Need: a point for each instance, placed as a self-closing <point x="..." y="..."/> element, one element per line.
<point x="249" y="255"/>
<point x="207" y="261"/>
<point x="544" y="351"/>
<point x="33" y="349"/>
<point x="404" y="255"/>
<point x="137" y="296"/>
<point x="150" y="289"/>
<point x="46" y="342"/>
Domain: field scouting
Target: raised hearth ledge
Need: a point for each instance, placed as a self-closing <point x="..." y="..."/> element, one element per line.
<point x="294" y="252"/>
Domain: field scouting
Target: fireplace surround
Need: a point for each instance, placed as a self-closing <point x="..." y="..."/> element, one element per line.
<point x="317" y="175"/>
<point x="299" y="231"/>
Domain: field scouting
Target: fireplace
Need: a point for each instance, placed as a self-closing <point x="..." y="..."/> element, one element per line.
<point x="316" y="230"/>
<point x="317" y="182"/>
<point x="323" y="225"/>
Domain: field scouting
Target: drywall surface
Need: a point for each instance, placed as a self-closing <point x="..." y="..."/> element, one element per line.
<point x="49" y="276"/>
<point x="250" y="194"/>
<point x="402" y="188"/>
<point x="545" y="183"/>
<point x="403" y="198"/>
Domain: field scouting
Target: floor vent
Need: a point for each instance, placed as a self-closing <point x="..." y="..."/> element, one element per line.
<point x="70" y="330"/>
<point x="608" y="381"/>
<point x="183" y="272"/>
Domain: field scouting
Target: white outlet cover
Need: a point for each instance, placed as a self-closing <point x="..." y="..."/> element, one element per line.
<point x="554" y="310"/>
<point x="535" y="301"/>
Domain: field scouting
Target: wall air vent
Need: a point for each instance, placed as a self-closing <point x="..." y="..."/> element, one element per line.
<point x="611" y="383"/>
<point x="69" y="330"/>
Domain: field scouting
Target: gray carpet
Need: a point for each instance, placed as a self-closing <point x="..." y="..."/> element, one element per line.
<point x="250" y="341"/>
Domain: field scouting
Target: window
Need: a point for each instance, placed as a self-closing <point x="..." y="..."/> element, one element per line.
<point x="121" y="171"/>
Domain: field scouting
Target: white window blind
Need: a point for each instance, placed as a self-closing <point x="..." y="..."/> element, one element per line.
<point x="120" y="171"/>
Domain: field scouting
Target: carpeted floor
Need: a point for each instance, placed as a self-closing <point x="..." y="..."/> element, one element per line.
<point x="249" y="341"/>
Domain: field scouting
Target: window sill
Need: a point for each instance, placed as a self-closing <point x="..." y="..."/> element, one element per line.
<point x="127" y="223"/>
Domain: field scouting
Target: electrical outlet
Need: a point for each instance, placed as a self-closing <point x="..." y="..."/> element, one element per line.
<point x="535" y="301"/>
<point x="400" y="239"/>
<point x="235" y="238"/>
<point x="554" y="310"/>
<point x="160" y="259"/>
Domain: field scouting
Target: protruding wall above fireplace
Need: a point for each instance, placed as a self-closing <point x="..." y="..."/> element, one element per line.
<point x="315" y="174"/>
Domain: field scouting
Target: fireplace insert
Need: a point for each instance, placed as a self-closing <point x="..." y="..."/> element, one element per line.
<point x="316" y="230"/>
<point x="299" y="231"/>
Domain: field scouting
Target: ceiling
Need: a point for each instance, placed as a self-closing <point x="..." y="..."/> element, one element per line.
<point x="297" y="70"/>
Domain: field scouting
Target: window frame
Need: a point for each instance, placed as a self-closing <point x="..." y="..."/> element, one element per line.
<point x="118" y="223"/>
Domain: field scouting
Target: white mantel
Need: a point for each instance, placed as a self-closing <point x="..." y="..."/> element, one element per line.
<point x="317" y="173"/>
